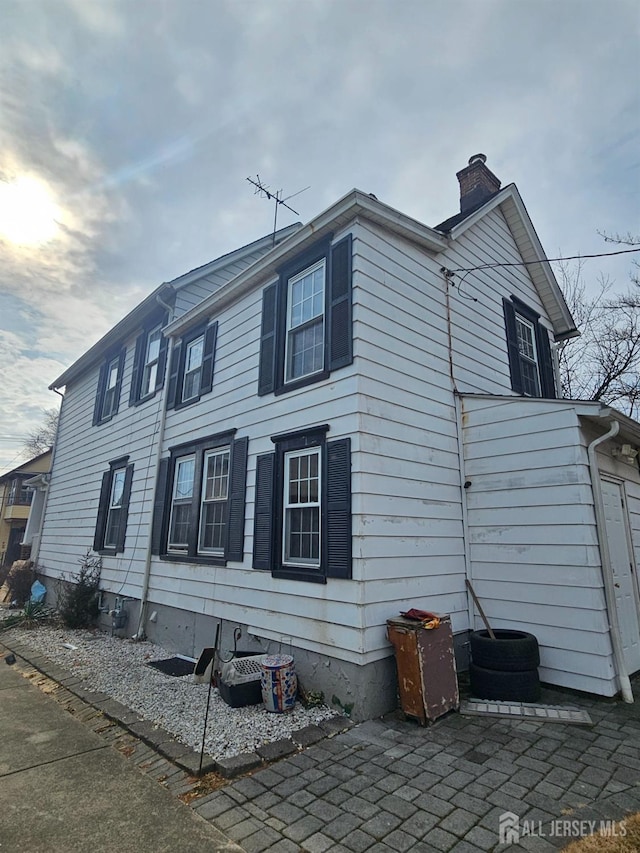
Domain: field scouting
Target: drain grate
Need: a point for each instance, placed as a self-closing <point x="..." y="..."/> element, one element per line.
<point x="526" y="711"/>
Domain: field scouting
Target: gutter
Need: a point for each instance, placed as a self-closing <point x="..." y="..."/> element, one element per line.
<point x="605" y="558"/>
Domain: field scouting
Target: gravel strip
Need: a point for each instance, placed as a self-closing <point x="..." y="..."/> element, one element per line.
<point x="119" y="668"/>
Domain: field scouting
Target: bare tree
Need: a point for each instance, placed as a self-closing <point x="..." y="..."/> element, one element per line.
<point x="42" y="438"/>
<point x="604" y="362"/>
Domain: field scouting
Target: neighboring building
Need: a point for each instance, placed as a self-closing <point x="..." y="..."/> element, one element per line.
<point x="353" y="422"/>
<point x="16" y="497"/>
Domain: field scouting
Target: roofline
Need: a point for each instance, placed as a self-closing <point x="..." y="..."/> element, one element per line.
<point x="531" y="250"/>
<point x="16" y="470"/>
<point x="166" y="291"/>
<point x="593" y="410"/>
<point x="354" y="203"/>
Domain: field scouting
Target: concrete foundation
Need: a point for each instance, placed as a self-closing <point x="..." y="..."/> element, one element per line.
<point x="360" y="692"/>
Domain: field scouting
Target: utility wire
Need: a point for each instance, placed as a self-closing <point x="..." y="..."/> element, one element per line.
<point x="545" y="260"/>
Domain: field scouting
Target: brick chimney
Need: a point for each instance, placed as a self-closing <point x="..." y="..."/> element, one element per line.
<point x="477" y="183"/>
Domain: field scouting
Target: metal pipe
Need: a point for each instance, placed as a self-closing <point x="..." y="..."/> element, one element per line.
<point x="605" y="559"/>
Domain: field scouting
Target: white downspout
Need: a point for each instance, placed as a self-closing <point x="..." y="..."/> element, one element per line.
<point x="605" y="557"/>
<point x="144" y="595"/>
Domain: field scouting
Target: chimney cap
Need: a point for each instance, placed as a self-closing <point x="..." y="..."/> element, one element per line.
<point x="478" y="158"/>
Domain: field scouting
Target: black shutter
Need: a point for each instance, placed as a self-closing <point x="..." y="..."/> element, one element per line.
<point x="208" y="357"/>
<point x="102" y="381"/>
<point x="512" y="346"/>
<point x="267" y="369"/>
<point x="162" y="363"/>
<point x="263" y="512"/>
<point x="118" y="387"/>
<point x="237" y="492"/>
<point x="174" y="374"/>
<point x="103" y="507"/>
<point x="138" y="364"/>
<point x="547" y="374"/>
<point x="338" y="503"/>
<point x="162" y="489"/>
<point x="339" y="326"/>
<point x="124" y="509"/>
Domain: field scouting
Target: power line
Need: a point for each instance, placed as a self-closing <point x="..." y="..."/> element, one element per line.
<point x="545" y="260"/>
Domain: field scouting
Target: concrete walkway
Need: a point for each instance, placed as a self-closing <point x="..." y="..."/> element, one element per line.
<point x="385" y="785"/>
<point x="64" y="788"/>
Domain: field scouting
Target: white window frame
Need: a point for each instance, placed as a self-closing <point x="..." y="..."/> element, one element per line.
<point x="526" y="358"/>
<point x="110" y="388"/>
<point x="286" y="506"/>
<point x="114" y="506"/>
<point x="149" y="374"/>
<point x="312" y="321"/>
<point x="180" y="547"/>
<point x="193" y="370"/>
<point x="208" y="454"/>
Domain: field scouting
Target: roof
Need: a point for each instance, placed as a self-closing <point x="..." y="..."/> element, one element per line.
<point x="354" y="203"/>
<point x="509" y="200"/>
<point x="136" y="318"/>
<point x="19" y="468"/>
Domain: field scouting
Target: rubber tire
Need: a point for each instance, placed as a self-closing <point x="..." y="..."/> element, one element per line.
<point x="511" y="651"/>
<point x="508" y="686"/>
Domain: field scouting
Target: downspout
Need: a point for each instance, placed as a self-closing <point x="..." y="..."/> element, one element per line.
<point x="144" y="595"/>
<point x="34" y="556"/>
<point x="605" y="558"/>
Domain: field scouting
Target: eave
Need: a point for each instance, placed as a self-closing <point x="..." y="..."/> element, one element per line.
<point x="510" y="203"/>
<point x="354" y="204"/>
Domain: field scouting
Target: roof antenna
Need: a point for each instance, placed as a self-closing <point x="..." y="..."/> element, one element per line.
<point x="264" y="192"/>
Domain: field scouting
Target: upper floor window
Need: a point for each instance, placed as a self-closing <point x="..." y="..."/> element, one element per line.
<point x="113" y="507"/>
<point x="108" y="391"/>
<point x="192" y="364"/>
<point x="305" y="323"/>
<point x="149" y="362"/>
<point x="200" y="501"/>
<point x="306" y="327"/>
<point x="530" y="361"/>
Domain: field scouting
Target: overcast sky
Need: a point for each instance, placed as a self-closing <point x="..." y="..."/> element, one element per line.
<point x="127" y="130"/>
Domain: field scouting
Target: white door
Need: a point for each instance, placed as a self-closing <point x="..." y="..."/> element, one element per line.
<point x="623" y="573"/>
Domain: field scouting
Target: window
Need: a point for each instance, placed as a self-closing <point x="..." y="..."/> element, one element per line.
<point x="114" y="512"/>
<point x="113" y="507"/>
<point x="19" y="494"/>
<point x="529" y="350"/>
<point x="302" y="514"/>
<point x="306" y="320"/>
<point x="192" y="363"/>
<point x="108" y="392"/>
<point x="201" y="519"/>
<point x="149" y="362"/>
<point x="305" y="323"/>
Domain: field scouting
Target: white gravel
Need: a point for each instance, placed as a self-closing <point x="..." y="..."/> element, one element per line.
<point x="119" y="668"/>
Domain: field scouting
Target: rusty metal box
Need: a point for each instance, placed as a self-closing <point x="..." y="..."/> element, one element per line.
<point x="426" y="665"/>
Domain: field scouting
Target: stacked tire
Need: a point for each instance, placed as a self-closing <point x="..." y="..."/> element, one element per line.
<point x="505" y="668"/>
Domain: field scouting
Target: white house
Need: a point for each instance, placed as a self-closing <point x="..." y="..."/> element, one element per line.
<point x="354" y="421"/>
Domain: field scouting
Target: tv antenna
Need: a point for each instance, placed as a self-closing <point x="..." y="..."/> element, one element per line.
<point x="263" y="191"/>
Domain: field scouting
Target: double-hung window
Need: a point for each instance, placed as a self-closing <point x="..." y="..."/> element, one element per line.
<point x="302" y="513"/>
<point x="108" y="391"/>
<point x="113" y="507"/>
<point x="192" y="363"/>
<point x="193" y="369"/>
<point x="529" y="350"/>
<point x="201" y="519"/>
<point x="149" y="361"/>
<point x="306" y="329"/>
<point x="301" y="508"/>
<point x="305" y="323"/>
